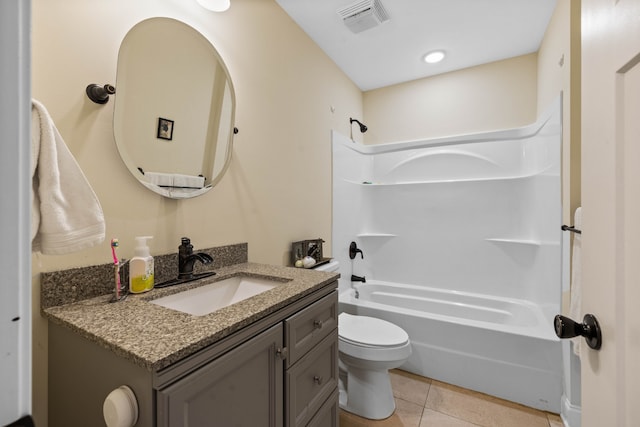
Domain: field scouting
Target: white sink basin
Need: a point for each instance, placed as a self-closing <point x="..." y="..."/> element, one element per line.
<point x="209" y="298"/>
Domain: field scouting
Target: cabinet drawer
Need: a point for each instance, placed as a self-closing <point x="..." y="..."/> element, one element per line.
<point x="328" y="415"/>
<point x="311" y="381"/>
<point x="309" y="326"/>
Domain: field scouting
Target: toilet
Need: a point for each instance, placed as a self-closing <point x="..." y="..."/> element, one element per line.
<point x="368" y="347"/>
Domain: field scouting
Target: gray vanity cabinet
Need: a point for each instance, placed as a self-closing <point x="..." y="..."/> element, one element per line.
<point x="243" y="387"/>
<point x="280" y="371"/>
<point x="284" y="376"/>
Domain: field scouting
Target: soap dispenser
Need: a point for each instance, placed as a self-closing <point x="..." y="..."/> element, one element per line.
<point x="141" y="267"/>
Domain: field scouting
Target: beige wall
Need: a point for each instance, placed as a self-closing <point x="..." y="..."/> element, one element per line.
<point x="493" y="96"/>
<point x="559" y="70"/>
<point x="278" y="188"/>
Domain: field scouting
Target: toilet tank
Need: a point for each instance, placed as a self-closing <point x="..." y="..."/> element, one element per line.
<point x="331" y="266"/>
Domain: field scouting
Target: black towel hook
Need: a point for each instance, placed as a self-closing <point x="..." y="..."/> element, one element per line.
<point x="100" y="94"/>
<point x="571" y="228"/>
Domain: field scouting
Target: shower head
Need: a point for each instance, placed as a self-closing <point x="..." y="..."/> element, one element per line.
<point x="363" y="128"/>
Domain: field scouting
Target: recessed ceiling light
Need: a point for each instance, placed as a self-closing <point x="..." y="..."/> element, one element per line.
<point x="215" y="5"/>
<point x="433" y="57"/>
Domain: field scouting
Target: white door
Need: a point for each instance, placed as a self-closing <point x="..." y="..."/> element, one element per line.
<point x="611" y="209"/>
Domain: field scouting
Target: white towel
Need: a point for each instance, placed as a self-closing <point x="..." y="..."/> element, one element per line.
<point x="575" y="308"/>
<point x="174" y="180"/>
<point x="159" y="178"/>
<point x="188" y="181"/>
<point x="66" y="214"/>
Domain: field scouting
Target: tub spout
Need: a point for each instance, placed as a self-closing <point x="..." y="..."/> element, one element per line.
<point x="355" y="278"/>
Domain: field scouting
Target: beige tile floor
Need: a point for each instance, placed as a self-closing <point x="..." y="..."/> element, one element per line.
<point x="423" y="402"/>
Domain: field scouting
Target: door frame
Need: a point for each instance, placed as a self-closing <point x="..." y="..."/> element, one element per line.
<point x="15" y="214"/>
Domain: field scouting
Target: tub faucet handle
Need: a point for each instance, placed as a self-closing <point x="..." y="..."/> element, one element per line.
<point x="353" y="251"/>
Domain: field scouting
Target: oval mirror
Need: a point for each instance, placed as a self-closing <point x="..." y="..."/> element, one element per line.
<point x="174" y="109"/>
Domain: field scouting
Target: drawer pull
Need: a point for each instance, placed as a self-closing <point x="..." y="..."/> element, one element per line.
<point x="317" y="324"/>
<point x="317" y="379"/>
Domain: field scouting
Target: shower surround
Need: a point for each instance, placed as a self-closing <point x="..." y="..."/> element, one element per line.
<point x="461" y="246"/>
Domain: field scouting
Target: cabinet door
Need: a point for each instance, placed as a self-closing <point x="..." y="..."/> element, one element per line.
<point x="242" y="388"/>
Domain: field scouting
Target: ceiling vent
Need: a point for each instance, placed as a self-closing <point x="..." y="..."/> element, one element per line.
<point x="363" y="15"/>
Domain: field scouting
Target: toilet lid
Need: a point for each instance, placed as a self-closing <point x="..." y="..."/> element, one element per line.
<point x="369" y="331"/>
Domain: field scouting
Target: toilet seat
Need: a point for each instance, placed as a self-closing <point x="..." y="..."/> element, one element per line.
<point x="370" y="332"/>
<point x="372" y="340"/>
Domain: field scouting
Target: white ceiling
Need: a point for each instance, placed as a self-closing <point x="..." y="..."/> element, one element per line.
<point x="472" y="32"/>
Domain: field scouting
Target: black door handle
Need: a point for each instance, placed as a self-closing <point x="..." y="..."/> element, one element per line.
<point x="589" y="329"/>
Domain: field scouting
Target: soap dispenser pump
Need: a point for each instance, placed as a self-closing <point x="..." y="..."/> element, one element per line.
<point x="141" y="268"/>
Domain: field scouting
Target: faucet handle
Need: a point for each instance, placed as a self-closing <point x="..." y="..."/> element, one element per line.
<point x="186" y="248"/>
<point x="353" y="250"/>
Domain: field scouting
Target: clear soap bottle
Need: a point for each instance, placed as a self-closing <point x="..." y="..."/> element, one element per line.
<point x="141" y="268"/>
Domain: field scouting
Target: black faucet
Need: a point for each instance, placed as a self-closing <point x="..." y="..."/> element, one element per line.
<point x="186" y="259"/>
<point x="355" y="278"/>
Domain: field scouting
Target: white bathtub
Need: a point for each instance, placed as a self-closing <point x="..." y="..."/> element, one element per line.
<point x="500" y="346"/>
<point x="461" y="246"/>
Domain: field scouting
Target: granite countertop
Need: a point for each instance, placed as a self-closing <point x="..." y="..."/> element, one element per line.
<point x="154" y="337"/>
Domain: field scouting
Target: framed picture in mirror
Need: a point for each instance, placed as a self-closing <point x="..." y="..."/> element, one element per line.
<point x="165" y="128"/>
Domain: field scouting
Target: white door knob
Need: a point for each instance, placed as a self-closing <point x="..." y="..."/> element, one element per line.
<point x="120" y="408"/>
